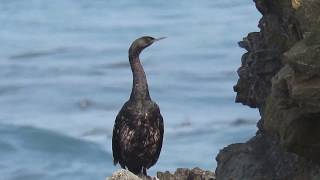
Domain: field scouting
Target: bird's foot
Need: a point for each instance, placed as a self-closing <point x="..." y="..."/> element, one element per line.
<point x="155" y="178"/>
<point x="146" y="177"/>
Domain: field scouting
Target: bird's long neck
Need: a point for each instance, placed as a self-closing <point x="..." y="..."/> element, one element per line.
<point x="140" y="89"/>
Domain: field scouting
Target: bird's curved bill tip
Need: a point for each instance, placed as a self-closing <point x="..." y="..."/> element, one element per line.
<point x="158" y="39"/>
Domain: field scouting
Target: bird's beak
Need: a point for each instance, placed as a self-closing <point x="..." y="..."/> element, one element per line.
<point x="158" y="39"/>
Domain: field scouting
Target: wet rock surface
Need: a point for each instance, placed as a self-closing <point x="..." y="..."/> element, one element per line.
<point x="280" y="75"/>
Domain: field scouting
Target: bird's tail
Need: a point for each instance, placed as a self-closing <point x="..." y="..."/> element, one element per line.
<point x="115" y="161"/>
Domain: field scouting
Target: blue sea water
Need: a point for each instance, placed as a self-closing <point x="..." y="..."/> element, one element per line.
<point x="64" y="74"/>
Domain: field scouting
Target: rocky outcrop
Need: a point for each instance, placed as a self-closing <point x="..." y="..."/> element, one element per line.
<point x="187" y="174"/>
<point x="262" y="158"/>
<point x="179" y="174"/>
<point x="265" y="48"/>
<point x="280" y="75"/>
<point x="123" y="174"/>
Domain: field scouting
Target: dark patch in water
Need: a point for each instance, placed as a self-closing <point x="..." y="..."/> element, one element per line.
<point x="6" y="147"/>
<point x="239" y="122"/>
<point x="87" y="104"/>
<point x="118" y="65"/>
<point x="121" y="65"/>
<point x="22" y="174"/>
<point x="9" y="89"/>
<point x="95" y="132"/>
<point x="185" y="123"/>
<point x="36" y="54"/>
<point x="84" y="104"/>
<point x="115" y="65"/>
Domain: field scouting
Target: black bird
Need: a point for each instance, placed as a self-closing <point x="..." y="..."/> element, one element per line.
<point x="138" y="130"/>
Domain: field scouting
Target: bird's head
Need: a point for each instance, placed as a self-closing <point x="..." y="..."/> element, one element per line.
<point x="141" y="43"/>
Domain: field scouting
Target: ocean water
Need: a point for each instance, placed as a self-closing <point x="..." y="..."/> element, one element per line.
<point x="64" y="75"/>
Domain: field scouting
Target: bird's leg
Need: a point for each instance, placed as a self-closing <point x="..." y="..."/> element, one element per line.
<point x="144" y="171"/>
<point x="141" y="174"/>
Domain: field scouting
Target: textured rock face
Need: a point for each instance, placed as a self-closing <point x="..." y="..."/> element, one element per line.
<point x="262" y="159"/>
<point x="280" y="75"/>
<point x="265" y="49"/>
<point x="180" y="174"/>
<point x="123" y="174"/>
<point x="187" y="174"/>
<point x="292" y="112"/>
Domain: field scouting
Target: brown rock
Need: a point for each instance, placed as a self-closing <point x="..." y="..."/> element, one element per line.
<point x="187" y="174"/>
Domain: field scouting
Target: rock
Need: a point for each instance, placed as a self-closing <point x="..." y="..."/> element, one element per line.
<point x="293" y="110"/>
<point x="187" y="174"/>
<point x="280" y="75"/>
<point x="265" y="48"/>
<point x="180" y="174"/>
<point x="123" y="174"/>
<point x="303" y="59"/>
<point x="262" y="159"/>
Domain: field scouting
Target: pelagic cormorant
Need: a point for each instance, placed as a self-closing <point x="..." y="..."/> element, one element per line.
<point x="138" y="130"/>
